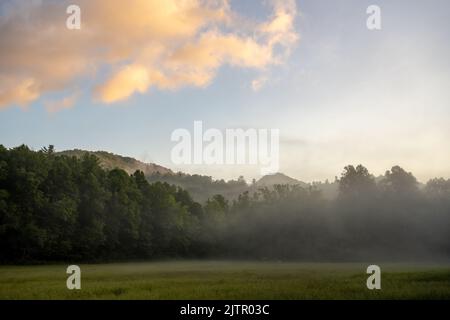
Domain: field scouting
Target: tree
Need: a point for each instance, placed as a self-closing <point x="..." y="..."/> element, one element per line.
<point x="57" y="208"/>
<point x="356" y="182"/>
<point x="400" y="182"/>
<point x="438" y="188"/>
<point x="89" y="236"/>
<point x="122" y="213"/>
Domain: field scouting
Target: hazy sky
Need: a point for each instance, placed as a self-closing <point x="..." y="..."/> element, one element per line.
<point x="339" y="93"/>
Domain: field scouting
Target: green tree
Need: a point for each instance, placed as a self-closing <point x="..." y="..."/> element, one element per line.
<point x="356" y="182"/>
<point x="399" y="182"/>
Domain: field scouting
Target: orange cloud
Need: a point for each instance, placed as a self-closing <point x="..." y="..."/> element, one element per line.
<point x="124" y="83"/>
<point x="17" y="90"/>
<point x="143" y="43"/>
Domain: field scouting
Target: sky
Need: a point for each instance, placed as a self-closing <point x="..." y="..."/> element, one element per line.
<point x="132" y="74"/>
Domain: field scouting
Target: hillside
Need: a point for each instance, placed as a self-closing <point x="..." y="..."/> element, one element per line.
<point x="279" y="178"/>
<point x="110" y="161"/>
<point x="199" y="186"/>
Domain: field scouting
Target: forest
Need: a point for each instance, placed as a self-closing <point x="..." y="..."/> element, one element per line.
<point x="64" y="208"/>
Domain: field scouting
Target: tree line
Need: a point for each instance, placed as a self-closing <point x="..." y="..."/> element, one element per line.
<point x="60" y="208"/>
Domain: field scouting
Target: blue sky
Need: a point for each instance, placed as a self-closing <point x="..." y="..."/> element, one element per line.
<point x="344" y="95"/>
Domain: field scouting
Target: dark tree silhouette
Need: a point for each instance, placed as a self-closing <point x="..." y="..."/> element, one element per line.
<point x="59" y="208"/>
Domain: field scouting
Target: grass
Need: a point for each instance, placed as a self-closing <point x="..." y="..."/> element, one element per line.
<point x="225" y="280"/>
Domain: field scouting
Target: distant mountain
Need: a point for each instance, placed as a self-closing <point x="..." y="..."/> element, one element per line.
<point x="203" y="187"/>
<point x="279" y="178"/>
<point x="200" y="187"/>
<point x="328" y="190"/>
<point x="112" y="161"/>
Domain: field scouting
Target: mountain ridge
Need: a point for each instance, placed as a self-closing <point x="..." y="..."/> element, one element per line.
<point x="111" y="161"/>
<point x="201" y="187"/>
<point x="279" y="178"/>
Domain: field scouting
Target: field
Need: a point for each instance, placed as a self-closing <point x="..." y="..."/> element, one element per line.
<point x="225" y="280"/>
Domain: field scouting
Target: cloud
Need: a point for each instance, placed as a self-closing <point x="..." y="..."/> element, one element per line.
<point x="258" y="83"/>
<point x="19" y="90"/>
<point x="63" y="104"/>
<point x="129" y="48"/>
<point x="124" y="83"/>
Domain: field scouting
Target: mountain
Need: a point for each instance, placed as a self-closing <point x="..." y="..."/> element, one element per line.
<point x="111" y="161"/>
<point x="200" y="187"/>
<point x="203" y="187"/>
<point x="328" y="190"/>
<point x="279" y="178"/>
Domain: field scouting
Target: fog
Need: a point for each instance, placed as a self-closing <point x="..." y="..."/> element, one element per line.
<point x="392" y="220"/>
<point x="61" y="208"/>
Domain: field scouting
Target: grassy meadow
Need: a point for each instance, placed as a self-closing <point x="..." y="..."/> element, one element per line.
<point x="225" y="280"/>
